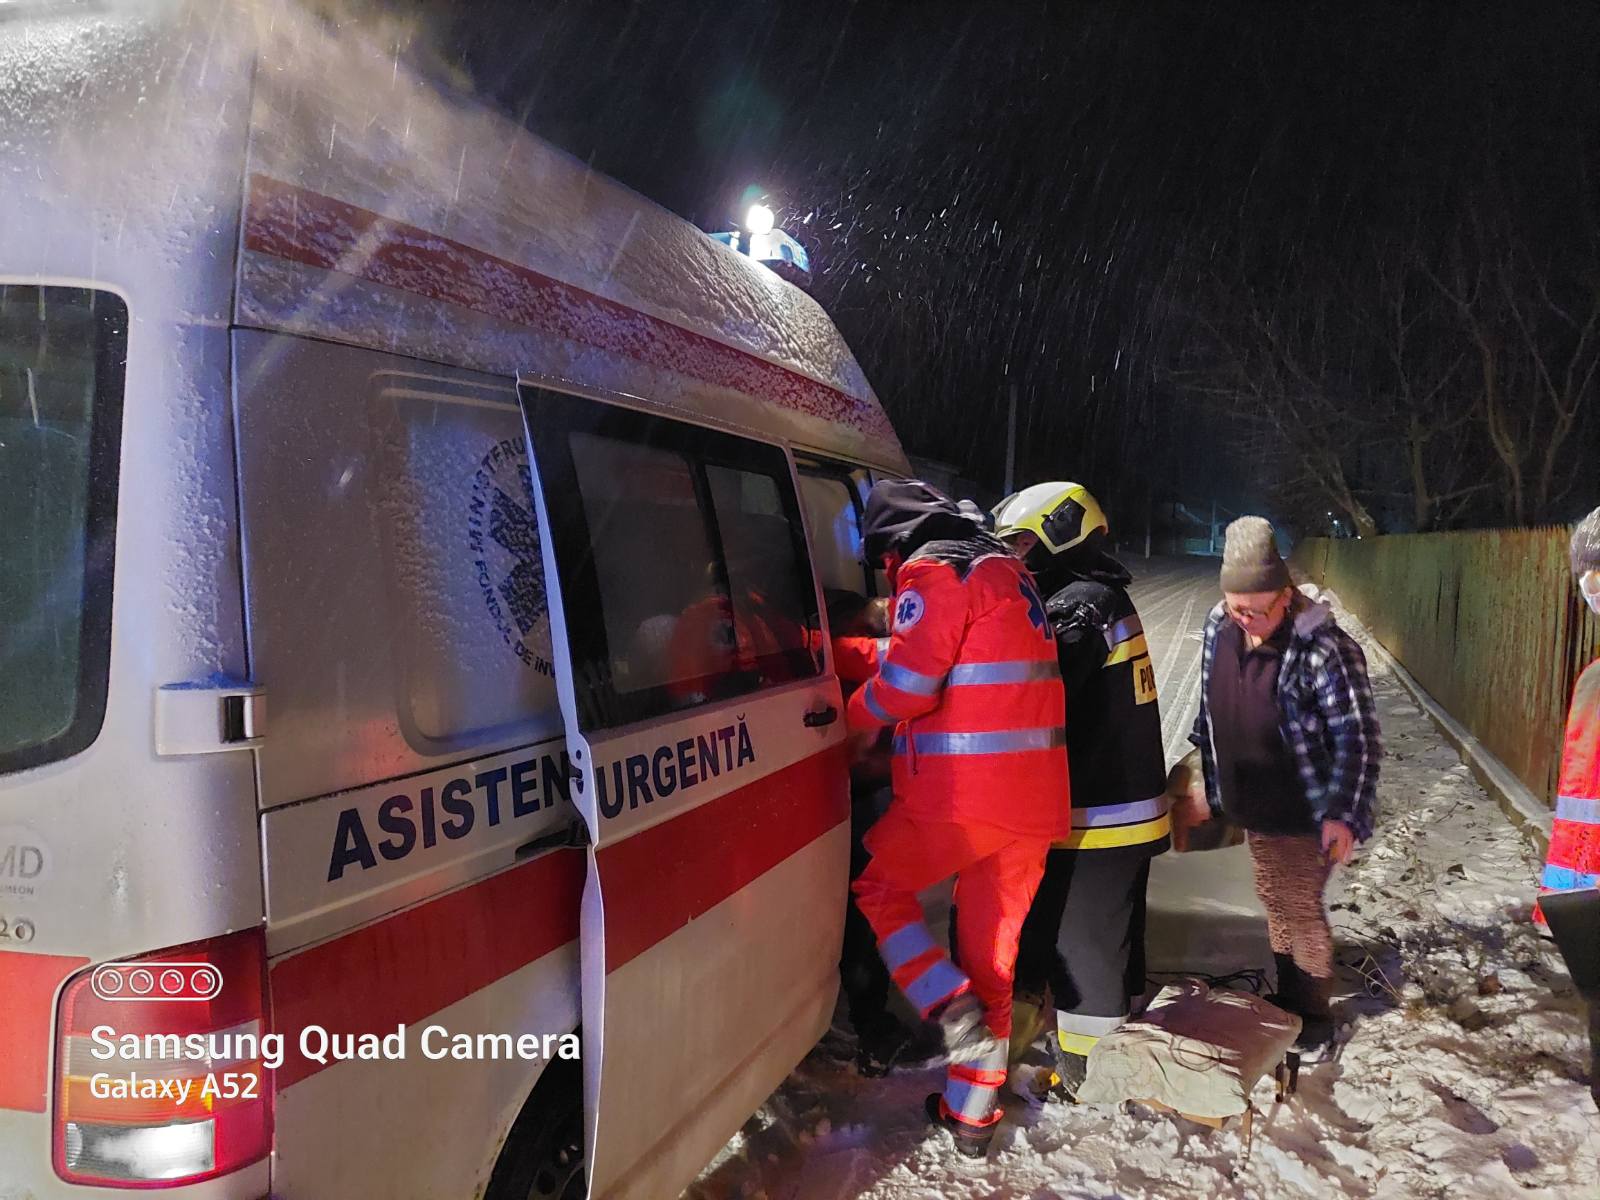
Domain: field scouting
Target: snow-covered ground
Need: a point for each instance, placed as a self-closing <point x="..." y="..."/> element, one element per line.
<point x="1462" y="1072"/>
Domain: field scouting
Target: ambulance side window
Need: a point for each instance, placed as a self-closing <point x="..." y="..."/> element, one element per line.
<point x="644" y="513"/>
<point x="691" y="580"/>
<point x="62" y="364"/>
<point x="835" y="519"/>
<point x="769" y="580"/>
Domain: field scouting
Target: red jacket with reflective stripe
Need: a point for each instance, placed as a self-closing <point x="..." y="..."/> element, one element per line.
<point x="1574" y="860"/>
<point x="971" y="682"/>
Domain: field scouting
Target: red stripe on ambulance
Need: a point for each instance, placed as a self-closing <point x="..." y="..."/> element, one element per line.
<point x="307" y="227"/>
<point x="414" y="963"/>
<point x="690" y="864"/>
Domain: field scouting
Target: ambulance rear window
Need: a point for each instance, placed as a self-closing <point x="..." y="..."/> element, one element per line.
<point x="62" y="357"/>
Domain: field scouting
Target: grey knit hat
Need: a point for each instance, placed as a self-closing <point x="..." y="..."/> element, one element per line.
<point x="1250" y="559"/>
<point x="1585" y="545"/>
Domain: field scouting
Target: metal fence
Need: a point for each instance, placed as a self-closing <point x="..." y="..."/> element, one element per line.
<point x="1488" y="621"/>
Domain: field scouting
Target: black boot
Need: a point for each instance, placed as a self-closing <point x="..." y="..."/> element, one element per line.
<point x="1307" y="998"/>
<point x="1316" y="1035"/>
<point x="1287" y="996"/>
<point x="1316" y="1013"/>
<point x="1071" y="1070"/>
<point x="970" y="1142"/>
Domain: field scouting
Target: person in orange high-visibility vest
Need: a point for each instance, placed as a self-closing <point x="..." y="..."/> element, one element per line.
<point x="971" y="684"/>
<point x="1574" y="858"/>
<point x="1569" y="890"/>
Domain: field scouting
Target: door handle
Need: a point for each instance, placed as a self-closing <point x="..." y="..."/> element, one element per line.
<point x="569" y="837"/>
<point x="826" y="716"/>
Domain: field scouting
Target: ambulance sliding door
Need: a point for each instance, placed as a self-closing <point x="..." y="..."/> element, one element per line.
<point x="704" y="725"/>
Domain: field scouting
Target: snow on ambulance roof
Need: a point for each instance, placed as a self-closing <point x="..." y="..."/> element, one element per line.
<point x="384" y="211"/>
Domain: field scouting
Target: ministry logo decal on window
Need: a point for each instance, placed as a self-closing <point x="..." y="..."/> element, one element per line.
<point x="503" y="536"/>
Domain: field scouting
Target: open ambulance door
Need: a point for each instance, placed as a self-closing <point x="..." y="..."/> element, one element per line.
<point x="705" y="730"/>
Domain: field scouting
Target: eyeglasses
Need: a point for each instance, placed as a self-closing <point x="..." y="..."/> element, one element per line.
<point x="1240" y="613"/>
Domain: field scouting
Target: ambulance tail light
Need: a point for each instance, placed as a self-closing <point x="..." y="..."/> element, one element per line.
<point x="188" y="1097"/>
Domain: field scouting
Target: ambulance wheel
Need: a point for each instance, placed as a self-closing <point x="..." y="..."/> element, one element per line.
<point x="543" y="1155"/>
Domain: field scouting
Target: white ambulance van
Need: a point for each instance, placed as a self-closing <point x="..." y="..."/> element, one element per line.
<point x="387" y="811"/>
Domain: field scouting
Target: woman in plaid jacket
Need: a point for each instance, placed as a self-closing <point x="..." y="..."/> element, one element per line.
<point x="1289" y="739"/>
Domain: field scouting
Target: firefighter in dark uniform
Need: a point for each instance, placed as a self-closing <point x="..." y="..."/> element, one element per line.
<point x="1084" y="935"/>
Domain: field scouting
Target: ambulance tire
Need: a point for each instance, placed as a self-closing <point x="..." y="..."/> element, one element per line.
<point x="543" y="1155"/>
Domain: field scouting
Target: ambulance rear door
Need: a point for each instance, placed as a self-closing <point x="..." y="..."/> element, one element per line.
<point x="705" y="729"/>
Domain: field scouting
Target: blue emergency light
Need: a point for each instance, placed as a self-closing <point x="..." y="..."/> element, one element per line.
<point x="768" y="245"/>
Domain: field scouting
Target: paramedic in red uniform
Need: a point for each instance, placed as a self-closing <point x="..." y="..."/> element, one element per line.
<point x="971" y="685"/>
<point x="1569" y="899"/>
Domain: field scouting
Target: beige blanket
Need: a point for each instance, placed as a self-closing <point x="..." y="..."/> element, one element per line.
<point x="1194" y="1049"/>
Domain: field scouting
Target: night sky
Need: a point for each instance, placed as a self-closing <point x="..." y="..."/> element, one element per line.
<point x="1041" y="196"/>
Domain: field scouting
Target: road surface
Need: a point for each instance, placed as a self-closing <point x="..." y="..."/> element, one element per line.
<point x="1174" y="595"/>
<point x="1203" y="909"/>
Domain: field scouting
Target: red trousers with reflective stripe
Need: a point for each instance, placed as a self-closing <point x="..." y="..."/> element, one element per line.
<point x="996" y="873"/>
<point x="972" y="1090"/>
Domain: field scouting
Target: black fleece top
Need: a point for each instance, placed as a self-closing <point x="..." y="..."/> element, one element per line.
<point x="1256" y="773"/>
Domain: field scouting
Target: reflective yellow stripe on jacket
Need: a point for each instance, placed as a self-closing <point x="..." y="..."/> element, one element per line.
<point x="1093" y="828"/>
<point x="1106" y="826"/>
<point x="1127" y="835"/>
